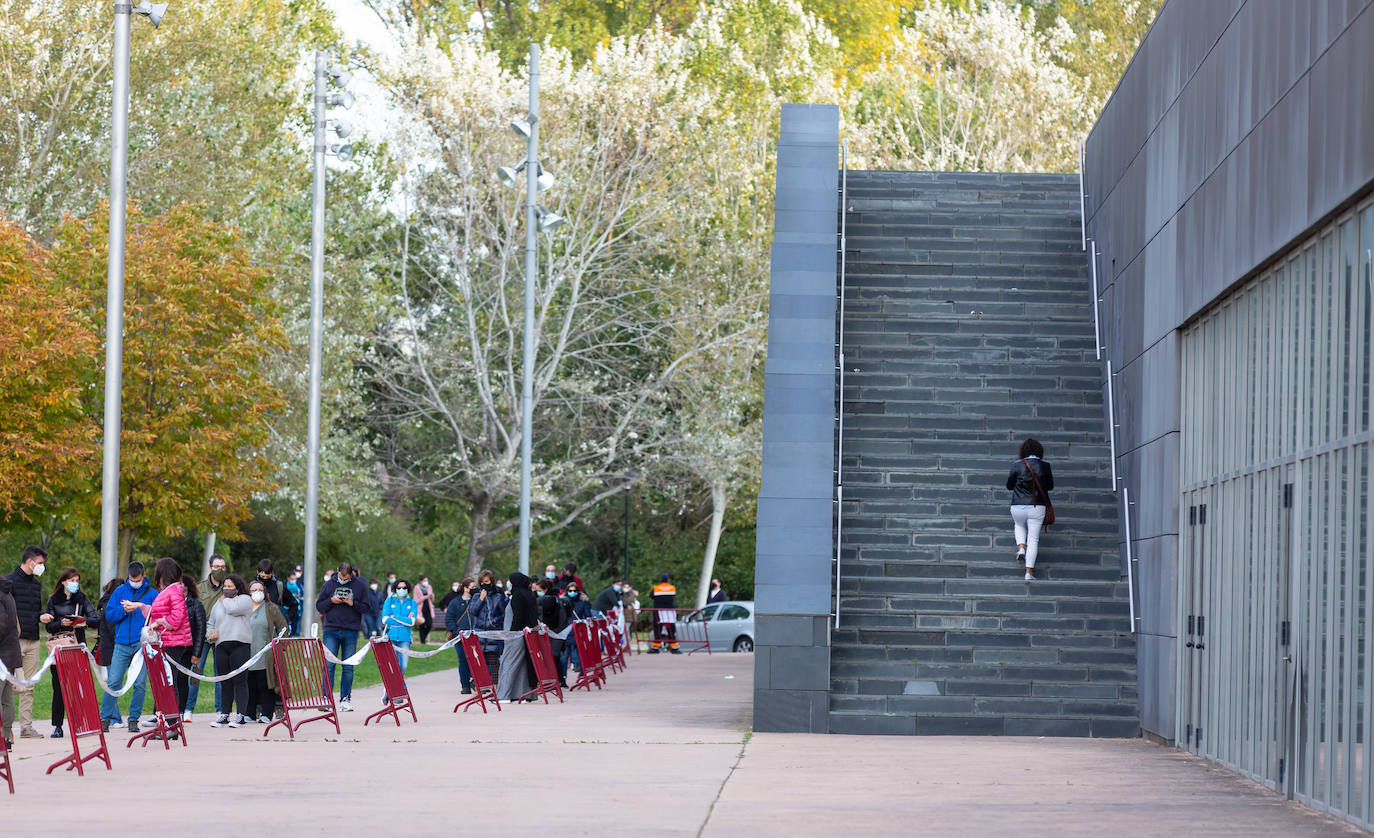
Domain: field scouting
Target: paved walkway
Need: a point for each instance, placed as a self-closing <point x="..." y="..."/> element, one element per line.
<point x="663" y="751"/>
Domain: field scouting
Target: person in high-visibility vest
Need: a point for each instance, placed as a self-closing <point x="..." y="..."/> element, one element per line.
<point x="665" y="616"/>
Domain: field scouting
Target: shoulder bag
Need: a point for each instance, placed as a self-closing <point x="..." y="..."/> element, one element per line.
<point x="1049" y="507"/>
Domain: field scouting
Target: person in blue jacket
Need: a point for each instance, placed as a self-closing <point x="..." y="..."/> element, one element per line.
<point x="399" y="614"/>
<point x="127" y="617"/>
<point x="488" y="611"/>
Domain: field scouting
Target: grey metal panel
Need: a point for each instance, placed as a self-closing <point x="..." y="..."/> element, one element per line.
<point x="1147" y="395"/>
<point x="1151" y="472"/>
<point x="1155" y="660"/>
<point x="1341" y="127"/>
<point x="1157" y="561"/>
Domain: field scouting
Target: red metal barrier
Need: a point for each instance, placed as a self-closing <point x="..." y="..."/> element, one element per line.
<point x="301" y="676"/>
<point x="393" y="682"/>
<point x="610" y="649"/>
<point x="165" y="705"/>
<point x="545" y="672"/>
<point x="620" y="630"/>
<point x="483" y="687"/>
<point x="83" y="711"/>
<point x="589" y="655"/>
<point x="687" y="627"/>
<point x="6" y="770"/>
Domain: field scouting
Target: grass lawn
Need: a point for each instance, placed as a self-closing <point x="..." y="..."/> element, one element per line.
<point x="364" y="675"/>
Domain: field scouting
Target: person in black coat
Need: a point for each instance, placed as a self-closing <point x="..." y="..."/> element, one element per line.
<point x="524" y="613"/>
<point x="1030" y="482"/>
<point x="105" y="635"/>
<point x="10" y="656"/>
<point x="67" y="614"/>
<point x="196" y="616"/>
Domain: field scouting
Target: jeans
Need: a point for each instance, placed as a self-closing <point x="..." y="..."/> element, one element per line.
<point x="372" y="625"/>
<point x="207" y="657"/>
<point x="119" y="665"/>
<point x="295" y="620"/>
<point x="342" y="643"/>
<point x="464" y="671"/>
<point x="1028" y="521"/>
<point x="401" y="660"/>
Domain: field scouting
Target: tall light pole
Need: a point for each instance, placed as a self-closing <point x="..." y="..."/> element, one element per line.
<point x="323" y="98"/>
<point x="531" y="267"/>
<point x="114" y="283"/>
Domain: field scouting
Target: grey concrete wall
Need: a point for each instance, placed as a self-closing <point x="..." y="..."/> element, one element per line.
<point x="796" y="537"/>
<point x="1239" y="126"/>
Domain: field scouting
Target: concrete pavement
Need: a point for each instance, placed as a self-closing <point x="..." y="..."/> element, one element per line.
<point x="664" y="750"/>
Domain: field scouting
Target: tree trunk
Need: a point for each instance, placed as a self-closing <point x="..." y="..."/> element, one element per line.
<point x="481" y="508"/>
<point x="708" y="562"/>
<point x="126" y="551"/>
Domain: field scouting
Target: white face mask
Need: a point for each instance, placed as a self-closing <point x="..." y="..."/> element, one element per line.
<point x="38" y="569"/>
<point x="373" y="587"/>
<point x="455" y="589"/>
<point x="258" y="596"/>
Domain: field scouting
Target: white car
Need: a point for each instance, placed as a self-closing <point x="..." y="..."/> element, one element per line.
<point x="729" y="625"/>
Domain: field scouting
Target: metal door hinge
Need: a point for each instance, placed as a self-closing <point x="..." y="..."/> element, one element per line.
<point x="1192" y="516"/>
<point x="1283" y="633"/>
<point x="1202" y="514"/>
<point x="1288" y="496"/>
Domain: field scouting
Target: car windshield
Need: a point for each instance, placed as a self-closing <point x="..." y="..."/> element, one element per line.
<point x="734" y="612"/>
<point x="704" y="614"/>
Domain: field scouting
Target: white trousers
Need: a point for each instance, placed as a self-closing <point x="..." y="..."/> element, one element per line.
<point x="1028" y="520"/>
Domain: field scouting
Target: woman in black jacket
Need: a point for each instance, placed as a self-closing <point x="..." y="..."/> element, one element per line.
<point x="1030" y="482"/>
<point x="67" y="614"/>
<point x="195" y="615"/>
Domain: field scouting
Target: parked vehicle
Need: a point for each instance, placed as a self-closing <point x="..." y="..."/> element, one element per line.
<point x="729" y="625"/>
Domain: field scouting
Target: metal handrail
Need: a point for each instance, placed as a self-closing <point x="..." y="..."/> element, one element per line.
<point x="1082" y="197"/>
<point x="1130" y="559"/>
<point x="1111" y="420"/>
<point x="839" y="352"/>
<point x="1097" y="299"/>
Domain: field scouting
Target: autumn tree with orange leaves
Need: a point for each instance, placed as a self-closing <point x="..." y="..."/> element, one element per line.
<point x="196" y="398"/>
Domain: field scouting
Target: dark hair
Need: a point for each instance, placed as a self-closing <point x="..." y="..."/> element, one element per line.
<point x="66" y="574"/>
<point x="486" y="573"/>
<point x="219" y="556"/>
<point x="136" y="569"/>
<point x="465" y="581"/>
<point x="189" y="583"/>
<point x="1031" y="448"/>
<point x="345" y="567"/>
<point x="543" y="584"/>
<point x="166" y="572"/>
<point x="265" y="566"/>
<point x="400" y="582"/>
<point x="240" y="587"/>
<point x="570" y="568"/>
<point x="111" y="585"/>
<point x="33" y="551"/>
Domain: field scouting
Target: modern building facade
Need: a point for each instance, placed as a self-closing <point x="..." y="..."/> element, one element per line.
<point x="1212" y="585"/>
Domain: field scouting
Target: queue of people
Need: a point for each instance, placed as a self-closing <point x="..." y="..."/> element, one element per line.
<point x="217" y="624"/>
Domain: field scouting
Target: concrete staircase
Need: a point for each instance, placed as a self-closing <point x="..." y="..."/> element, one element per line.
<point x="968" y="327"/>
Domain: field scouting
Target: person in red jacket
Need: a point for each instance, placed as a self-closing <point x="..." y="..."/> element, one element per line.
<point x="665" y="616"/>
<point x="168" y="615"/>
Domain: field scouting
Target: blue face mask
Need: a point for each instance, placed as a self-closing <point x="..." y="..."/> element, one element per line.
<point x="615" y="588"/>
<point x="572" y="594"/>
<point x="549" y="574"/>
<point x="73" y="586"/>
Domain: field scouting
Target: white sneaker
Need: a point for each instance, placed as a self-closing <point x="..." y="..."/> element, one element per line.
<point x="186" y="717"/>
<point x="221" y="720"/>
<point x="264" y="720"/>
<point x="345" y="705"/>
<point x="152" y="722"/>
<point x="236" y="720"/>
<point x="1030" y="577"/>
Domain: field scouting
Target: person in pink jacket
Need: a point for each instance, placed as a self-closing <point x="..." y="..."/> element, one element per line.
<point x="168" y="615"/>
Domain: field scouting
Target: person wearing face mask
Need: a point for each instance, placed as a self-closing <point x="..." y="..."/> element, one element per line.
<point x="168" y="615"/>
<point x="265" y="623"/>
<point x="390" y="583"/>
<point x="66" y="617"/>
<point x="125" y="611"/>
<point x="424" y="601"/>
<point x="570" y="577"/>
<point x="376" y="599"/>
<point x="231" y="632"/>
<point x="293" y="614"/>
<point x="554" y="614"/>
<point x="10" y="656"/>
<point x="489" y="614"/>
<point x="717" y="592"/>
<point x="400" y="614"/>
<point x="210" y="588"/>
<point x="455" y="591"/>
<point x="28" y="600"/>
<point x="342" y="603"/>
<point x="458" y="618"/>
<point x="609" y="599"/>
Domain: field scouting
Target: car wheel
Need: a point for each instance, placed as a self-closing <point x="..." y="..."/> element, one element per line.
<point x="744" y="643"/>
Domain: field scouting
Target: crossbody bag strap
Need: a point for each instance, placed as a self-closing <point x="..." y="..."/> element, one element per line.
<point x="1036" y="481"/>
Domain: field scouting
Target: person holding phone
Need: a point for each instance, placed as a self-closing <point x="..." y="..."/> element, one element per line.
<point x="126" y="611"/>
<point x="168" y="615"/>
<point x="458" y="618"/>
<point x="342" y="603"/>
<point x="66" y="616"/>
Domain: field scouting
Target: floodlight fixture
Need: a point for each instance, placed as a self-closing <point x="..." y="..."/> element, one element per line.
<point x="523" y="128"/>
<point x="152" y="11"/>
<point x="342" y="127"/>
<point x="340" y="77"/>
<point x="508" y="175"/>
<point x="548" y="221"/>
<point x="343" y="151"/>
<point x="545" y="180"/>
<point x="343" y="100"/>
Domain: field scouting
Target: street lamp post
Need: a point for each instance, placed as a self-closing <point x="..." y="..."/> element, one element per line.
<point x="114" y="283"/>
<point x="531" y="267"/>
<point x="323" y="99"/>
<point x="626" y="579"/>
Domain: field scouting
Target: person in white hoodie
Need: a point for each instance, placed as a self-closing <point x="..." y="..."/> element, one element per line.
<point x="231" y="631"/>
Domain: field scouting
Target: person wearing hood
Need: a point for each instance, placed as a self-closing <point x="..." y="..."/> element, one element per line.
<point x="524" y="613"/>
<point x="66" y="616"/>
<point x="210" y="591"/>
<point x="28" y="601"/>
<point x="11" y="656"/>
